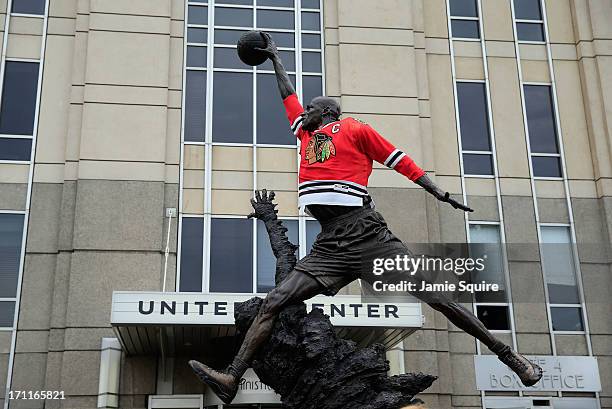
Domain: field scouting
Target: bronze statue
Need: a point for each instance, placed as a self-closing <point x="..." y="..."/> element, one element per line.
<point x="336" y="161"/>
<point x="305" y="361"/>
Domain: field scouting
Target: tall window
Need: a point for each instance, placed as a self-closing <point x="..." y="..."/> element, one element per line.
<point x="474" y="126"/>
<point x="560" y="271"/>
<point x="36" y="7"/>
<point x="491" y="307"/>
<point x="464" y="19"/>
<point x="18" y="110"/>
<point x="246" y="106"/>
<point x="235" y="112"/>
<point x="529" y="20"/>
<point x="545" y="156"/>
<point x="11" y="235"/>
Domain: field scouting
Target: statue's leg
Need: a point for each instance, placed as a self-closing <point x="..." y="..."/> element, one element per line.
<point x="468" y="322"/>
<point x="297" y="287"/>
<point x="460" y="316"/>
<point x="389" y="246"/>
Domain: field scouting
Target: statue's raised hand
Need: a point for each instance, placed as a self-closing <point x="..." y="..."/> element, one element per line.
<point x="264" y="206"/>
<point x="270" y="49"/>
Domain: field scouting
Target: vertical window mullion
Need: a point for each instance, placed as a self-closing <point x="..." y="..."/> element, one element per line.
<point x="208" y="149"/>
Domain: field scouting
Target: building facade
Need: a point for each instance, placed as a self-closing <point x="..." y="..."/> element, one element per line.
<point x="132" y="138"/>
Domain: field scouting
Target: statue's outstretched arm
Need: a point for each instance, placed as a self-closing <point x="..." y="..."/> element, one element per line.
<point x="284" y="83"/>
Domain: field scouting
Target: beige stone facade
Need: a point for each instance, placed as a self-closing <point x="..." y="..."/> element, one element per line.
<point x="112" y="154"/>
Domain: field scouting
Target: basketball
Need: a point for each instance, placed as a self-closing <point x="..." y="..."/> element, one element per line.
<point x="246" y="48"/>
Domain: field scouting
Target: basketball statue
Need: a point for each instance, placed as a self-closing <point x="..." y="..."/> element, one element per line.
<point x="336" y="162"/>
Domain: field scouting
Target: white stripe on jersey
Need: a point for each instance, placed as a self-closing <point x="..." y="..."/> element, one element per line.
<point x="297" y="124"/>
<point x="395" y="162"/>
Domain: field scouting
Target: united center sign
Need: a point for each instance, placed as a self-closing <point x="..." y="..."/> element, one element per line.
<point x="211" y="309"/>
<point x="165" y="322"/>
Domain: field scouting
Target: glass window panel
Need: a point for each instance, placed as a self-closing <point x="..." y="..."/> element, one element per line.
<point x="195" y="106"/>
<point x="567" y="319"/>
<point x="266" y="261"/>
<point x="196" y="56"/>
<point x="229" y="37"/>
<point x="19" y="98"/>
<point x="11" y="234"/>
<point x="485" y="242"/>
<point x="198" y="1"/>
<point x="312" y="86"/>
<point x="527" y="9"/>
<point x="240" y="2"/>
<point x="475" y="164"/>
<point x="197" y="15"/>
<point x="311" y="41"/>
<point x="276" y="3"/>
<point x="233" y="107"/>
<point x="7" y="313"/>
<point x="559" y="266"/>
<point x="191" y="254"/>
<point x="228" y="58"/>
<point x="311" y="4"/>
<point x="313" y="228"/>
<point x="284" y="39"/>
<point x="495" y="318"/>
<point x="311" y="21"/>
<point x="197" y="35"/>
<point x="541" y="119"/>
<point x="231" y="255"/>
<point x="530" y="32"/>
<point x="546" y="166"/>
<point x="464" y="8"/>
<point x="15" y="149"/>
<point x="311" y="62"/>
<point x="29" y="6"/>
<point x="233" y="17"/>
<point x="288" y="61"/>
<point x="272" y="124"/>
<point x="275" y="19"/>
<point x="473" y="116"/>
<point x="465" y="29"/>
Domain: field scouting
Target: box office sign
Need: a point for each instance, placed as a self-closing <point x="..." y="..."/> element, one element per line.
<point x="561" y="373"/>
<point x="218" y="309"/>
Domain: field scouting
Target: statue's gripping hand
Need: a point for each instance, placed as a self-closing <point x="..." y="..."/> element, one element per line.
<point x="457" y="205"/>
<point x="263" y="205"/>
<point x="270" y="50"/>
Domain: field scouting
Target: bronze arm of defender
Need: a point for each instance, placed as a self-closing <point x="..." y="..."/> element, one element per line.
<point x="426" y="183"/>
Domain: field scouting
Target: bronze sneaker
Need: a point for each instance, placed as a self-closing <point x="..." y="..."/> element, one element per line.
<point x="223" y="384"/>
<point x="528" y="372"/>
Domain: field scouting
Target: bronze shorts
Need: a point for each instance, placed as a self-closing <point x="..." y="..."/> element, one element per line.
<point x="343" y="251"/>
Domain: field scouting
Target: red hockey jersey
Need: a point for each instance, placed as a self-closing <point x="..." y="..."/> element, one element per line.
<point x="336" y="160"/>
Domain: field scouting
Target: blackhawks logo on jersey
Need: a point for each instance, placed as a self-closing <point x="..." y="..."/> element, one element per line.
<point x="320" y="148"/>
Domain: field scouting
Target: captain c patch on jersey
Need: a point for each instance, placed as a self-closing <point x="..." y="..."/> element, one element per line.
<point x="320" y="148"/>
